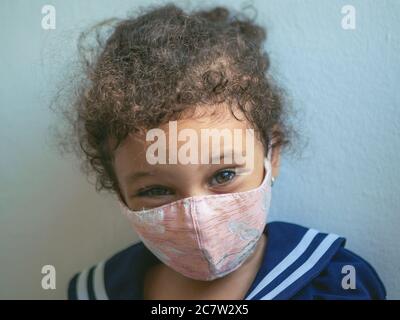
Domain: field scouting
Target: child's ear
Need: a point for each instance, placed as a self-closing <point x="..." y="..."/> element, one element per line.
<point x="275" y="155"/>
<point x="276" y="160"/>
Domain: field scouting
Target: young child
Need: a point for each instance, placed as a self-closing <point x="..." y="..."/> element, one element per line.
<point x="164" y="84"/>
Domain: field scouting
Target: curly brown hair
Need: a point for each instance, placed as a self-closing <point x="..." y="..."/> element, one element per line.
<point x="162" y="62"/>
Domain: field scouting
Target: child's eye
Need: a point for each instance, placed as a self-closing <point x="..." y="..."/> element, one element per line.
<point x="223" y="177"/>
<point x="154" y="192"/>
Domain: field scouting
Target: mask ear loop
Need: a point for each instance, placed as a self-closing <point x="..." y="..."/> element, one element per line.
<point x="268" y="160"/>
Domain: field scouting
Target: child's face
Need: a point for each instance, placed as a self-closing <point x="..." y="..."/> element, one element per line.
<point x="146" y="185"/>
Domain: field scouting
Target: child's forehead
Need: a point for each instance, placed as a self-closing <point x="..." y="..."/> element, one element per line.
<point x="220" y="122"/>
<point x="208" y="121"/>
<point x="208" y="116"/>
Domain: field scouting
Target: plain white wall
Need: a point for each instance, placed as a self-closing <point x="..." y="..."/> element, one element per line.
<point x="345" y="84"/>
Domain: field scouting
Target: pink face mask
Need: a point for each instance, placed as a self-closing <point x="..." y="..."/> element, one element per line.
<point x="205" y="237"/>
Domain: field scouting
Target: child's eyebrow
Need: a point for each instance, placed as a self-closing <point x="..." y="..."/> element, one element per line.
<point x="136" y="175"/>
<point x="234" y="155"/>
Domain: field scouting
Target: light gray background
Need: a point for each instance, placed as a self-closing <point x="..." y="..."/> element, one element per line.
<point x="345" y="83"/>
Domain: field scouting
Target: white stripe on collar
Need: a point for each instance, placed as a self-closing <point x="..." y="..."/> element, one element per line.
<point x="285" y="263"/>
<point x="98" y="285"/>
<point x="81" y="287"/>
<point x="322" y="248"/>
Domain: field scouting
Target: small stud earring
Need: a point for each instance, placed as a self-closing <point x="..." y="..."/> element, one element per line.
<point x="272" y="181"/>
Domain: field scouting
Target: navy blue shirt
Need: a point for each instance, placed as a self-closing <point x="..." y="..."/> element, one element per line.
<point x="299" y="263"/>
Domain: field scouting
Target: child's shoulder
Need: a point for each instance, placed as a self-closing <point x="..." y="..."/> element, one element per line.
<point x="305" y="263"/>
<point x="117" y="277"/>
<point x="299" y="263"/>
